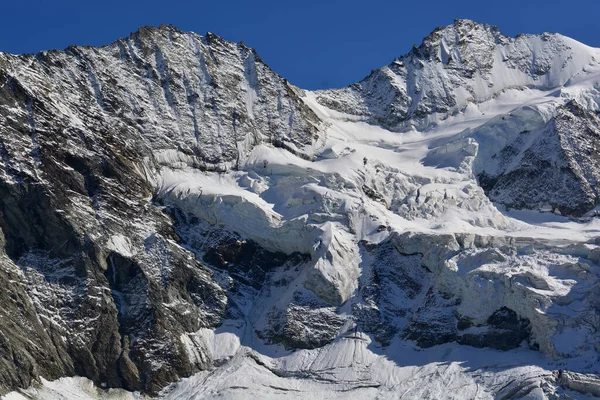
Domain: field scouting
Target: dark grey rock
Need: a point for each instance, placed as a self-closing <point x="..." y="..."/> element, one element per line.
<point x="555" y="166"/>
<point x="504" y="330"/>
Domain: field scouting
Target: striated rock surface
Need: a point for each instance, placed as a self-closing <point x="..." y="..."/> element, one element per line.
<point x="95" y="282"/>
<point x="553" y="166"/>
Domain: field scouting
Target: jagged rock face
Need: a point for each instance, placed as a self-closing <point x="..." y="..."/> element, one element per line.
<point x="503" y="330"/>
<point x="456" y="65"/>
<point x="396" y="282"/>
<point x="197" y="100"/>
<point x="305" y="323"/>
<point x="553" y="166"/>
<point x="100" y="288"/>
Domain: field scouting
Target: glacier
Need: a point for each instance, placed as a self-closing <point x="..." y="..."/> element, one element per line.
<point x="429" y="232"/>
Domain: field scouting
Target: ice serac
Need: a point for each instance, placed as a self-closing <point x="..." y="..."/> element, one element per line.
<point x="178" y="220"/>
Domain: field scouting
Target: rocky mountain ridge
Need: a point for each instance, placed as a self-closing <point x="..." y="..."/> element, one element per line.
<point x="454" y="66"/>
<point x="171" y="207"/>
<point x="83" y="132"/>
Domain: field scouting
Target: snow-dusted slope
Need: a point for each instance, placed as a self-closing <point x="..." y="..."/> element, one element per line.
<point x="464" y="63"/>
<point x="386" y="239"/>
<point x="467" y="68"/>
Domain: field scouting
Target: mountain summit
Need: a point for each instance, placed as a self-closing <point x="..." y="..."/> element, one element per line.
<point x="172" y="208"/>
<point x="464" y="63"/>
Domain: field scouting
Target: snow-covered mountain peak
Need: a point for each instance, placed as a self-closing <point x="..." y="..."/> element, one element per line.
<point x="170" y="206"/>
<point x="201" y="99"/>
<point x="472" y="47"/>
<point x="444" y="43"/>
<point x="460" y="64"/>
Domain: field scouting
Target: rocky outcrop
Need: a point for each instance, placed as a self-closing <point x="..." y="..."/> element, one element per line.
<point x="553" y="167"/>
<point x="586" y="384"/>
<point x="503" y="330"/>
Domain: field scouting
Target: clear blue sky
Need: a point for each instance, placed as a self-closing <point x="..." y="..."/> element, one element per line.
<point x="314" y="44"/>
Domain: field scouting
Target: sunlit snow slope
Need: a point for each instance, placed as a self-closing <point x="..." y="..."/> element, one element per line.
<point x="427" y="233"/>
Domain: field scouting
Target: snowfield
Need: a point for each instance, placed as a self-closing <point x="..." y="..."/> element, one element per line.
<point x="396" y="207"/>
